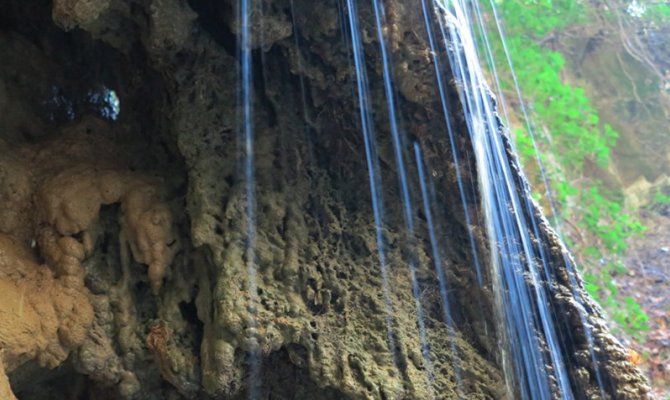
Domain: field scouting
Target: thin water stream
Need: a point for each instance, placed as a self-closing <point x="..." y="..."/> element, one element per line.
<point x="441" y="275"/>
<point x="408" y="208"/>
<point x="246" y="137"/>
<point x="367" y="128"/>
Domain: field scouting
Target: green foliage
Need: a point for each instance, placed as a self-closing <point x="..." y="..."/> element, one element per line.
<point x="626" y="312"/>
<point x="661" y="198"/>
<point x="577" y="137"/>
<point x="657" y="12"/>
<point x="604" y="218"/>
<point x="565" y="110"/>
<point x="539" y="17"/>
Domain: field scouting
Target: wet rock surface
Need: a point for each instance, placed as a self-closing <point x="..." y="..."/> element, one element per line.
<point x="129" y="233"/>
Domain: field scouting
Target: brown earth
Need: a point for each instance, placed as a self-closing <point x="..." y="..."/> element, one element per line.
<point x="648" y="282"/>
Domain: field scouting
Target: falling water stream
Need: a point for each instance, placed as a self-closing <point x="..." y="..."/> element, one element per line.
<point x="408" y="208"/>
<point x="246" y="138"/>
<point x="437" y="262"/>
<point x="452" y="140"/>
<point x="531" y="132"/>
<point x="523" y="308"/>
<point x="548" y="194"/>
<point x="552" y="207"/>
<point x="518" y="267"/>
<point x="367" y="128"/>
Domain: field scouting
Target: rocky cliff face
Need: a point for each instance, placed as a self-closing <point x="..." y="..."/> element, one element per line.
<point x="122" y="272"/>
